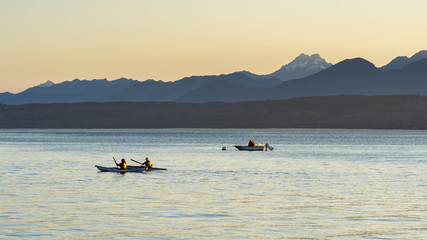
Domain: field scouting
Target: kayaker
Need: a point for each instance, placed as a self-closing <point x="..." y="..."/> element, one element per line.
<point x="122" y="165"/>
<point x="147" y="163"/>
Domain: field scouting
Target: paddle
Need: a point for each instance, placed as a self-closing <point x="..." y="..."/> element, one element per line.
<point x="115" y="162"/>
<point x="137" y="162"/>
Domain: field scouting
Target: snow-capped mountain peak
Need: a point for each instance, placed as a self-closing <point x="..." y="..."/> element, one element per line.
<point x="302" y="66"/>
<point x="46" y="84"/>
<point x="303" y="61"/>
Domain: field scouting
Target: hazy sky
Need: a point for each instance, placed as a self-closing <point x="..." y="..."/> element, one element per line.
<point x="60" y="40"/>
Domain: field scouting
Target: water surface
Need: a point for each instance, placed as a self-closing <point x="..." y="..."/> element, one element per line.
<point x="316" y="184"/>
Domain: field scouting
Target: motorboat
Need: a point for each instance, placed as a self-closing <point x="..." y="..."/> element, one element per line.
<point x="259" y="147"/>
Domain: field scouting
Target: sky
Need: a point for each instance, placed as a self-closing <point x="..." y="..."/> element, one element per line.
<point x="60" y="40"/>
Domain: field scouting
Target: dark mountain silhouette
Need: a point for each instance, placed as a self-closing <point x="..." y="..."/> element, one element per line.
<point x="221" y="91"/>
<point x="410" y="79"/>
<point x="353" y="76"/>
<point x="126" y="89"/>
<point x="358" y="76"/>
<point x="70" y="91"/>
<point x="402" y="61"/>
<point x="349" y="77"/>
<point x="159" y="91"/>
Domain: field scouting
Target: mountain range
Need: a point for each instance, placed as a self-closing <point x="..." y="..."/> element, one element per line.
<point x="402" y="61"/>
<point x="304" y="76"/>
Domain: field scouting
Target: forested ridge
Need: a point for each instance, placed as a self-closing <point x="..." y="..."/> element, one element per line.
<point x="353" y="112"/>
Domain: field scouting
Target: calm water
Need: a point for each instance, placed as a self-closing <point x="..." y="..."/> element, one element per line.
<point x="316" y="184"/>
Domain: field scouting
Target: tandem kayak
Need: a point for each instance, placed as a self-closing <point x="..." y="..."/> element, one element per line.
<point x="128" y="169"/>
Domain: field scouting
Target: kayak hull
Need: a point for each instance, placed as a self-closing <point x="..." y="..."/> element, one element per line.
<point x="128" y="169"/>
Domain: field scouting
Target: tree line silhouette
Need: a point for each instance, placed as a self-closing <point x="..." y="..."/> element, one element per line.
<point x="350" y="112"/>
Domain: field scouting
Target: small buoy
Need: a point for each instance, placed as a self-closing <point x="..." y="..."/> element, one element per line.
<point x="224" y="148"/>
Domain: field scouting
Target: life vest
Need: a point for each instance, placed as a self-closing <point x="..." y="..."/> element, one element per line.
<point x="149" y="164"/>
<point x="123" y="165"/>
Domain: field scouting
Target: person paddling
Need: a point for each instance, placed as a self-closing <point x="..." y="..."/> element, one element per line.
<point x="147" y="163"/>
<point x="122" y="165"/>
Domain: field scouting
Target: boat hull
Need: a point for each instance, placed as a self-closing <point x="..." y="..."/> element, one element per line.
<point x="255" y="148"/>
<point x="128" y="169"/>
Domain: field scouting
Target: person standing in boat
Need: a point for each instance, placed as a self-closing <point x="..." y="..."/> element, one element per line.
<point x="122" y="165"/>
<point x="147" y="163"/>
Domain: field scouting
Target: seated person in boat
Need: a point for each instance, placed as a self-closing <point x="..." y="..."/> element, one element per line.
<point x="122" y="165"/>
<point x="251" y="143"/>
<point x="147" y="163"/>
